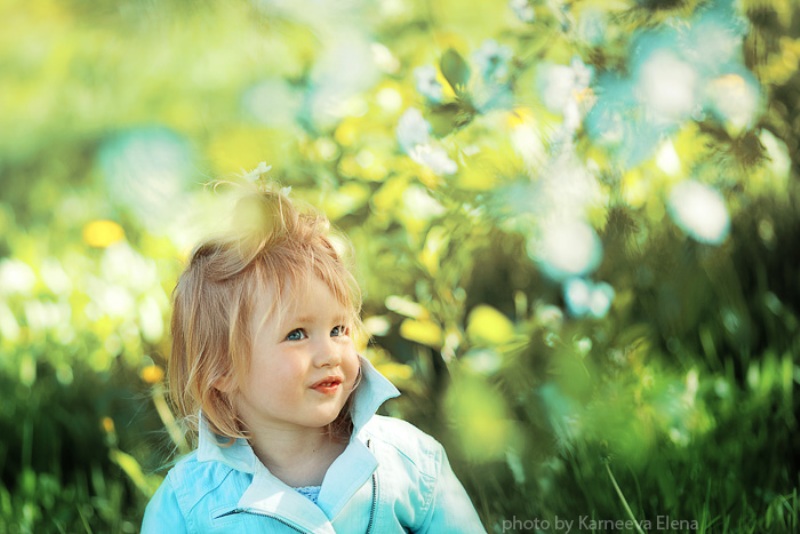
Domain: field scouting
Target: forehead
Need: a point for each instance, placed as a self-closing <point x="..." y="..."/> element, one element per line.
<point x="310" y="294"/>
<point x="276" y="304"/>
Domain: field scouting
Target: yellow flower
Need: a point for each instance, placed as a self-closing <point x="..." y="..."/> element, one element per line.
<point x="102" y="233"/>
<point x="152" y="374"/>
<point x="108" y="425"/>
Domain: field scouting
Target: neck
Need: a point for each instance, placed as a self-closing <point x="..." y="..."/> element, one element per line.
<point x="296" y="457"/>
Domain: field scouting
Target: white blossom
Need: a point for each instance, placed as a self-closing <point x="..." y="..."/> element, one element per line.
<point x="667" y="159"/>
<point x="735" y="101"/>
<point x="556" y="84"/>
<point x="413" y="134"/>
<point x="527" y="142"/>
<point x="435" y="158"/>
<point x="427" y="84"/>
<point x="16" y="276"/>
<point x="592" y="26"/>
<point x="421" y="204"/>
<point x="523" y="10"/>
<point x="779" y="161"/>
<point x="384" y="58"/>
<point x="412" y="130"/>
<point x="700" y="211"/>
<point x="255" y="174"/>
<point x="583" y="297"/>
<point x="566" y="248"/>
<point x="492" y="60"/>
<point x="563" y="90"/>
<point x="667" y="86"/>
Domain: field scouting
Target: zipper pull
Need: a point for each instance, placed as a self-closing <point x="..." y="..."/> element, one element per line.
<point x="231" y="512"/>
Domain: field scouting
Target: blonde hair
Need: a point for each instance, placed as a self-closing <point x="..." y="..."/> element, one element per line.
<point x="272" y="246"/>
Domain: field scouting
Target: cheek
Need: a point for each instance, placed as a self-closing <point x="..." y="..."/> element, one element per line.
<point x="351" y="365"/>
<point x="283" y="371"/>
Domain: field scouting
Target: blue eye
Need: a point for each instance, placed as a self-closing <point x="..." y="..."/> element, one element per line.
<point x="339" y="331"/>
<point x="296" y="335"/>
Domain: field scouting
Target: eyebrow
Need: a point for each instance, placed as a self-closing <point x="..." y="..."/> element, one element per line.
<point x="303" y="319"/>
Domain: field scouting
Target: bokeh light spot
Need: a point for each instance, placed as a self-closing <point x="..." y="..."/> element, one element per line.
<point x="102" y="233"/>
<point x="700" y="211"/>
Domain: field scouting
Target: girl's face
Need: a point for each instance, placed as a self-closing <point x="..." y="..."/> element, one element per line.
<point x="304" y="364"/>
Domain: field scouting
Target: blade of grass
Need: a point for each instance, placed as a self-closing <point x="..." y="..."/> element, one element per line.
<point x="168" y="419"/>
<point x="83" y="520"/>
<point x="624" y="501"/>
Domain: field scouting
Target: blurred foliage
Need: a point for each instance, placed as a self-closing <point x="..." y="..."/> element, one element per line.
<point x="575" y="224"/>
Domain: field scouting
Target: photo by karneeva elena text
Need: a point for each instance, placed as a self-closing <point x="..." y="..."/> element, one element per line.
<point x="587" y="523"/>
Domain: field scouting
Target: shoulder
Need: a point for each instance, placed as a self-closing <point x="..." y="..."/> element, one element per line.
<point x="402" y="434"/>
<point x="190" y="493"/>
<point x="406" y="441"/>
<point x="191" y="480"/>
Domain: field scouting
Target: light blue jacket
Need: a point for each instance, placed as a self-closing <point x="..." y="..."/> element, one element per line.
<point x="392" y="477"/>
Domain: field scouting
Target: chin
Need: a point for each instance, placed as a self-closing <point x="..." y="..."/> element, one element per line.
<point x="324" y="420"/>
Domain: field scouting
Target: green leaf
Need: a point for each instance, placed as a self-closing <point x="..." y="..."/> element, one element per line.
<point x="131" y="467"/>
<point x="455" y="70"/>
<point x="425" y="332"/>
<point x="488" y="326"/>
<point x="449" y="117"/>
<point x="479" y="416"/>
<point x="443" y="119"/>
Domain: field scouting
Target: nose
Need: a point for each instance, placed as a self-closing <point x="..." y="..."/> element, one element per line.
<point x="328" y="353"/>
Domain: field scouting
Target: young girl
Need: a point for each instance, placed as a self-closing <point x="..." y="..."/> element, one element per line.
<point x="264" y="364"/>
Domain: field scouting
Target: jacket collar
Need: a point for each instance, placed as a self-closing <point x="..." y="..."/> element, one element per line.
<point x="373" y="391"/>
<point x="267" y="494"/>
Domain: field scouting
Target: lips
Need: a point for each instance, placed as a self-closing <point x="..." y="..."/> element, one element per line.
<point x="328" y="384"/>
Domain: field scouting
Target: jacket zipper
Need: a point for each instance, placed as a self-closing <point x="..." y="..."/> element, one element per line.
<point x="276" y="518"/>
<point x="374" y="496"/>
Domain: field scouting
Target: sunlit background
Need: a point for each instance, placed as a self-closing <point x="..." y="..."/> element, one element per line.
<point x="576" y="225"/>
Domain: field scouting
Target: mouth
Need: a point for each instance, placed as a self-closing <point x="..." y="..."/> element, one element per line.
<point x="327" y="385"/>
